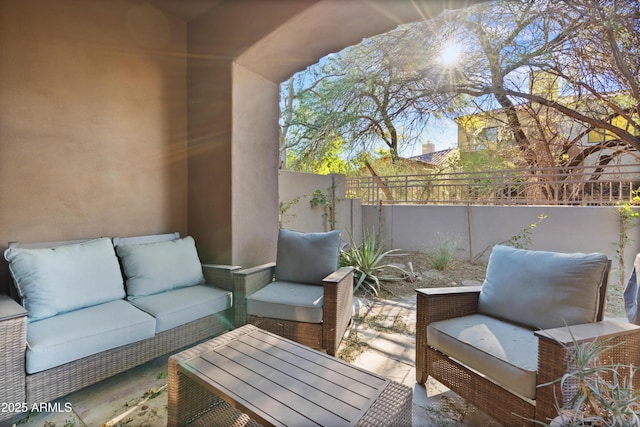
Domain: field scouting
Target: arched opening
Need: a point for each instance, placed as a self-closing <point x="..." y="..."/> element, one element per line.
<point x="246" y="233"/>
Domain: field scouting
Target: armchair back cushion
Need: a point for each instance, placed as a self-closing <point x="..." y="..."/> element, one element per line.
<point x="152" y="268"/>
<point x="543" y="289"/>
<point x="306" y="257"/>
<point x="65" y="278"/>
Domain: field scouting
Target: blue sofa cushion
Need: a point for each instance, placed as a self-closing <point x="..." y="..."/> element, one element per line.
<point x="180" y="306"/>
<point x="542" y="289"/>
<point x="306" y="257"/>
<point x="152" y="268"/>
<point x="65" y="278"/>
<point x="71" y="336"/>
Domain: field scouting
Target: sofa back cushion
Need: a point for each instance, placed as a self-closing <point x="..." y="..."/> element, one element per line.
<point x="158" y="267"/>
<point x="543" y="289"/>
<point x="306" y="257"/>
<point x="65" y="278"/>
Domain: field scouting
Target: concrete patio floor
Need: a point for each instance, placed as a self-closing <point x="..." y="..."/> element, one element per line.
<point x="385" y="328"/>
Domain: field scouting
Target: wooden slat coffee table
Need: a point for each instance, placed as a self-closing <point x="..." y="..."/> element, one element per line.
<point x="250" y="376"/>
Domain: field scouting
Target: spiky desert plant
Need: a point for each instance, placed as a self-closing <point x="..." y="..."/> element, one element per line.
<point x="601" y="395"/>
<point x="369" y="261"/>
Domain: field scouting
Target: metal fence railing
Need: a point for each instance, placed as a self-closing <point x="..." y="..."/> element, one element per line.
<point x="588" y="186"/>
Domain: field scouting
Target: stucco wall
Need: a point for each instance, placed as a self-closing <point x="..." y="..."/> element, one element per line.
<point x="92" y="120"/>
<point x="254" y="167"/>
<point x="565" y="229"/>
<point x="474" y="228"/>
<point x="233" y="132"/>
<point x="296" y="190"/>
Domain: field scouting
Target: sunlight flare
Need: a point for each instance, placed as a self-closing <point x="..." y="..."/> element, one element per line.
<point x="450" y="54"/>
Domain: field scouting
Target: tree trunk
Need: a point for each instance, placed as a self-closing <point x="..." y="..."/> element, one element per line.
<point x="379" y="182"/>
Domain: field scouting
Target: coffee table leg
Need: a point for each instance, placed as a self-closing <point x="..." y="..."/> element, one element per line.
<point x="393" y="408"/>
<point x="187" y="400"/>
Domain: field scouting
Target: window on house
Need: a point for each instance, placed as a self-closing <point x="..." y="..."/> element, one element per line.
<point x="491" y="134"/>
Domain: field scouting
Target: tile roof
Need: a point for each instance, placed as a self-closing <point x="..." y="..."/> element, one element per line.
<point x="434" y="158"/>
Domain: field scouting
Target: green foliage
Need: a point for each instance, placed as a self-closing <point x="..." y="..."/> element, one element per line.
<point x="330" y="159"/>
<point x="284" y="210"/>
<point x="601" y="394"/>
<point x="369" y="262"/>
<point x="487" y="159"/>
<point x="327" y="202"/>
<point x="628" y="220"/>
<point x="522" y="240"/>
<point x="318" y="198"/>
<point x="539" y="75"/>
<point x="443" y="251"/>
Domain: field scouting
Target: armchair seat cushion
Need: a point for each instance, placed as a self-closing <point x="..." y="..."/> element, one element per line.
<point x="297" y="302"/>
<point x="184" y="305"/>
<point x="71" y="336"/>
<point x="504" y="352"/>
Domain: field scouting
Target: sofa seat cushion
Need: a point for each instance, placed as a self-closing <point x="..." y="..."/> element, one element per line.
<point x="504" y="352"/>
<point x="66" y="278"/>
<point x="70" y="336"/>
<point x="297" y="302"/>
<point x="152" y="268"/>
<point x="184" y="305"/>
<point x="543" y="289"/>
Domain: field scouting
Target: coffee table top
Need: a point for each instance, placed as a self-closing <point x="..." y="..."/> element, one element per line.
<point x="279" y="382"/>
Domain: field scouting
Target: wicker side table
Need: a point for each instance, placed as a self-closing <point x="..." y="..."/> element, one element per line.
<point x="13" y="335"/>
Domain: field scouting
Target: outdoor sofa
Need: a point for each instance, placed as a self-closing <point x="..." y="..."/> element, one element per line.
<point x="93" y="309"/>
<point x="499" y="344"/>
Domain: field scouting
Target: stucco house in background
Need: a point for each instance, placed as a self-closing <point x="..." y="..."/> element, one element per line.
<point x="131" y="117"/>
<point x="489" y="129"/>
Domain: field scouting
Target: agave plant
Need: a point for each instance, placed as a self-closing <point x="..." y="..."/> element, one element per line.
<point x="600" y="394"/>
<point x="369" y="261"/>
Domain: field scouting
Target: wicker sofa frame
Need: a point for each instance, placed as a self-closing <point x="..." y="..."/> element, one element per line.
<point x="18" y="386"/>
<point x="507" y="408"/>
<point x="337" y="308"/>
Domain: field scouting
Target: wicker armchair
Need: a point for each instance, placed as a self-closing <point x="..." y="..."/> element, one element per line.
<point x="478" y="383"/>
<point x="305" y="263"/>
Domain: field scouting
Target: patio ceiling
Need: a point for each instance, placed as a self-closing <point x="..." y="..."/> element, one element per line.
<point x="184" y="9"/>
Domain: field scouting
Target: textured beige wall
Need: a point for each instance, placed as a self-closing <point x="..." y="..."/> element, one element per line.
<point x="254" y="167"/>
<point x="233" y="133"/>
<point x="92" y="120"/>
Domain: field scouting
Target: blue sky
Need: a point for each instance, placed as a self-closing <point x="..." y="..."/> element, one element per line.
<point x="441" y="132"/>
